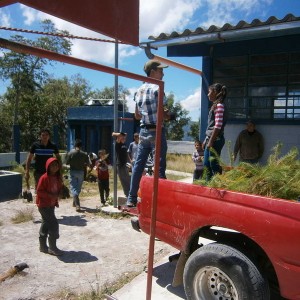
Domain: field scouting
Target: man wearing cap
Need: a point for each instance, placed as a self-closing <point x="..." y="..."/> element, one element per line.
<point x="249" y="144"/>
<point x="146" y="99"/>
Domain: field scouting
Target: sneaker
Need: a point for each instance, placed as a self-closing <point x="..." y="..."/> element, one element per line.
<point x="78" y="208"/>
<point x="130" y="204"/>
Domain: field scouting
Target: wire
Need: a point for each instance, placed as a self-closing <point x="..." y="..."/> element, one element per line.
<point x="60" y="35"/>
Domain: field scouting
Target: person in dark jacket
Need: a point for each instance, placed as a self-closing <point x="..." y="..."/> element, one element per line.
<point x="249" y="144"/>
<point x="121" y="157"/>
<point x="47" y="193"/>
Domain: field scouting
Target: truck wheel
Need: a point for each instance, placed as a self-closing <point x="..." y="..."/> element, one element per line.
<point x="220" y="272"/>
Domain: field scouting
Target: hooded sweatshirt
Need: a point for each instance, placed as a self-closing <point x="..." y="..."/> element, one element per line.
<point x="49" y="187"/>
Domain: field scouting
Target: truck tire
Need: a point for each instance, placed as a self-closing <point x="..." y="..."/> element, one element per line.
<point x="220" y="272"/>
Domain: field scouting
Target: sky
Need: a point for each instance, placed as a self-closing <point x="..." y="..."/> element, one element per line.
<point x="169" y="16"/>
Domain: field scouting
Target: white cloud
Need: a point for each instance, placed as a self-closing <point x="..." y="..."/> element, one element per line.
<point x="219" y="12"/>
<point x="192" y="104"/>
<point x="29" y="14"/>
<point x="157" y="16"/>
<point x="5" y="19"/>
<point x="129" y="98"/>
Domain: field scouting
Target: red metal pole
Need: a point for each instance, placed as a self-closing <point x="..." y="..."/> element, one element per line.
<point x="177" y="65"/>
<point x="21" y="48"/>
<point x="155" y="189"/>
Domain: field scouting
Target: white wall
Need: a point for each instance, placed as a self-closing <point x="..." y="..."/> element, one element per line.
<point x="289" y="135"/>
<point x="182" y="147"/>
<point x="9" y="159"/>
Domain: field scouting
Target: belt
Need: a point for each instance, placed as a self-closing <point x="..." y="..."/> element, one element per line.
<point x="150" y="126"/>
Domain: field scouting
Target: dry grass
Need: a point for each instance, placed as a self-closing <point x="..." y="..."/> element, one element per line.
<point x="180" y="162"/>
<point x="99" y="293"/>
<point x="279" y="178"/>
<point x="23" y="216"/>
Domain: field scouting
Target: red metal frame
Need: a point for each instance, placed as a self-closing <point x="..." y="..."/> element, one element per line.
<point x="21" y="48"/>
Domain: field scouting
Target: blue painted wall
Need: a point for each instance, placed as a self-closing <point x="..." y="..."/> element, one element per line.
<point x="94" y="125"/>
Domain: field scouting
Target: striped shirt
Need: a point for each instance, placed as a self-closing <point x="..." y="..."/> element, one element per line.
<point x="219" y="113"/>
<point x="41" y="154"/>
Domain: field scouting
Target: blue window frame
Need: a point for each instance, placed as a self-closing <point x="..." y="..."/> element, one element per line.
<point x="261" y="86"/>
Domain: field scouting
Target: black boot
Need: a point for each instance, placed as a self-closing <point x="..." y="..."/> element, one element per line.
<point x="53" y="250"/>
<point x="43" y="244"/>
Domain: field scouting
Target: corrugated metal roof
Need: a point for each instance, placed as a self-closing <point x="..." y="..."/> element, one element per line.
<point x="225" y="28"/>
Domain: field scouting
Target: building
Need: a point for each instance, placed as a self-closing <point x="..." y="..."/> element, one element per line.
<point x="259" y="63"/>
<point x="94" y="124"/>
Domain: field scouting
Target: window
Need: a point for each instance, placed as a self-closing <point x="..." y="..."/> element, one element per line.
<point x="261" y="86"/>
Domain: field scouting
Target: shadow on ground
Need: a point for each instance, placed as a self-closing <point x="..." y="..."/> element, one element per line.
<point x="72" y="221"/>
<point x="77" y="257"/>
<point x="164" y="274"/>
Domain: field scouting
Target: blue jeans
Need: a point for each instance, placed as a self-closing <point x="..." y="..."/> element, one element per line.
<point x="145" y="147"/>
<point x="212" y="156"/>
<point x="76" y="180"/>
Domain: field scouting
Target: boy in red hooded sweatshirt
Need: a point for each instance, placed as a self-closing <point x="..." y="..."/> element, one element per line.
<point x="48" y="190"/>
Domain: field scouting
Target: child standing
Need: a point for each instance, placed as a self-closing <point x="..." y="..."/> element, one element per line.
<point x="102" y="165"/>
<point x="197" y="158"/>
<point x="48" y="190"/>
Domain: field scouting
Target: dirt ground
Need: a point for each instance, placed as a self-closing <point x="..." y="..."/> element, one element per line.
<point x="97" y="251"/>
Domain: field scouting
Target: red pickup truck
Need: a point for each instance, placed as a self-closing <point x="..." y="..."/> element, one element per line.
<point x="255" y="248"/>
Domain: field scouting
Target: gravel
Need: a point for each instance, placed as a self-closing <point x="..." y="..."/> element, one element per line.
<point x="97" y="251"/>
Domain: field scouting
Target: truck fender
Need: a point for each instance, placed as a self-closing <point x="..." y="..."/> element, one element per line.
<point x="178" y="275"/>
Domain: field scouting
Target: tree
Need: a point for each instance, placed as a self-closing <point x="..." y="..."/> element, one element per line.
<point x="174" y="128"/>
<point x="5" y="135"/>
<point x="58" y="95"/>
<point x="194" y="130"/>
<point x="26" y="74"/>
<point x="108" y="93"/>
